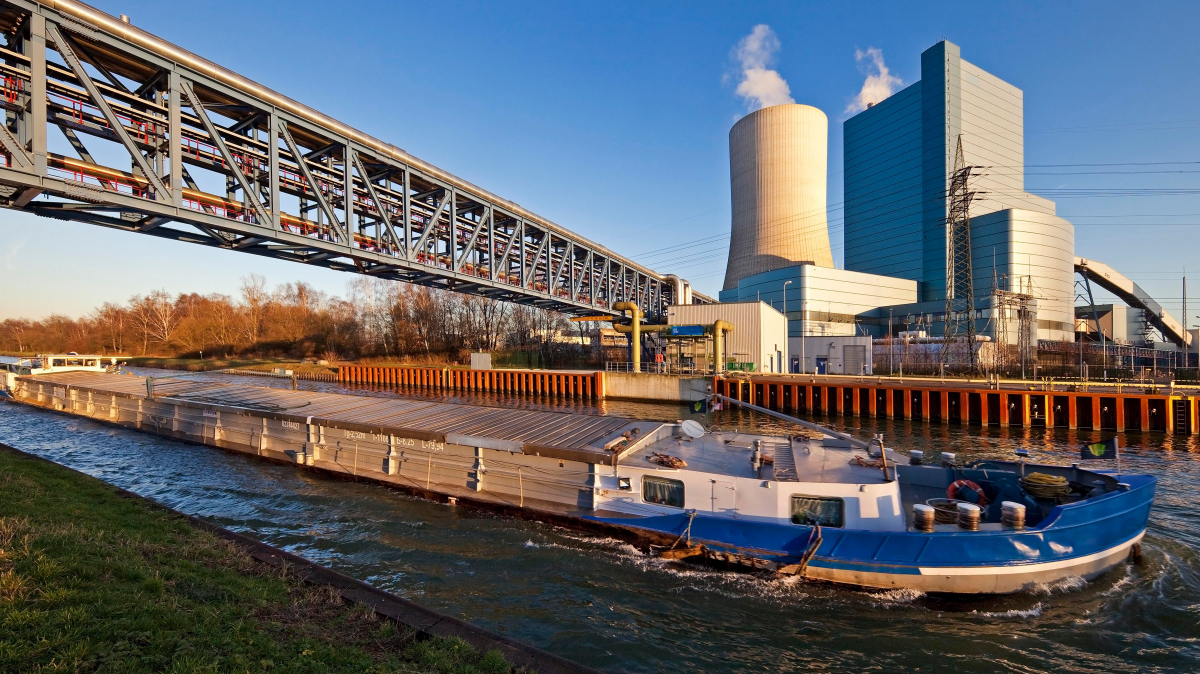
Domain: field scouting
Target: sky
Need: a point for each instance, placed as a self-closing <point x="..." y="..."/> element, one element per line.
<point x="612" y="119"/>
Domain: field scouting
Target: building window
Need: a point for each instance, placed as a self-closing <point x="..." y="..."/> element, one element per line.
<point x="662" y="491"/>
<point x="823" y="510"/>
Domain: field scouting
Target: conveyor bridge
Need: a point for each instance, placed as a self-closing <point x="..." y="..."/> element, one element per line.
<point x="206" y="156"/>
<point x="1132" y="294"/>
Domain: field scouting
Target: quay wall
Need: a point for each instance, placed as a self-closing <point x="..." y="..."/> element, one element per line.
<point x="553" y="383"/>
<point x="1104" y="410"/>
<point x="659" y="387"/>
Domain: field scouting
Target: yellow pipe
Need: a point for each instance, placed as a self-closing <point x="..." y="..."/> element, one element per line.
<point x="646" y="327"/>
<point x="636" y="311"/>
<point x="718" y="343"/>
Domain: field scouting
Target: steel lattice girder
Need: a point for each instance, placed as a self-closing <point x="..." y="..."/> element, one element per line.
<point x="376" y="214"/>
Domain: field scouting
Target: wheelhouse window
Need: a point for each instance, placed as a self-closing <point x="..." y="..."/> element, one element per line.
<point x="662" y="491"/>
<point x="823" y="510"/>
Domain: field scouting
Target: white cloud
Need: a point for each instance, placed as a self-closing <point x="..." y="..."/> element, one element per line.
<point x="880" y="83"/>
<point x="759" y="85"/>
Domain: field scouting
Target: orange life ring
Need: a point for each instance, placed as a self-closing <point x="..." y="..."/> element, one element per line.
<point x="952" y="490"/>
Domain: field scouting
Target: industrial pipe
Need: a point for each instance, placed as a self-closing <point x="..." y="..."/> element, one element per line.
<point x="636" y="330"/>
<point x="683" y="289"/>
<point x="646" y="327"/>
<point x="718" y="343"/>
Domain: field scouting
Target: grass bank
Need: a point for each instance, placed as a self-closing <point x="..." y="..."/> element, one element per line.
<point x="92" y="580"/>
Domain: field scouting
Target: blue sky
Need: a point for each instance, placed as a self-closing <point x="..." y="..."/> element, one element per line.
<point x="612" y="119"/>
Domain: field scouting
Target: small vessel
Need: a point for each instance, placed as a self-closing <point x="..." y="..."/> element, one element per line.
<point x="11" y="368"/>
<point x="817" y="504"/>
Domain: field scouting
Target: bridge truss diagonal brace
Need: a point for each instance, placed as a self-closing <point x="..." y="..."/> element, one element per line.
<point x="518" y="233"/>
<point x="587" y="266"/>
<point x="483" y="221"/>
<point x="568" y="251"/>
<point x="322" y="202"/>
<point x="68" y="55"/>
<point x="527" y="278"/>
<point x="18" y="153"/>
<point x="447" y="197"/>
<point x="380" y="208"/>
<point x="251" y="196"/>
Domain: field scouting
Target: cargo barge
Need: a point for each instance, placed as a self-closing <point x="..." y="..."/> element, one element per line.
<point x="821" y="505"/>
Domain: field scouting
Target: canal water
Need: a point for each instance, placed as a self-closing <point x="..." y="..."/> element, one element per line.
<point x="601" y="602"/>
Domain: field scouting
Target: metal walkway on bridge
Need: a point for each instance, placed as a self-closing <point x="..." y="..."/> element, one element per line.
<point x="297" y="185"/>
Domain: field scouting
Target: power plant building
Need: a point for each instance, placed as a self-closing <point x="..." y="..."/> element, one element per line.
<point x="899" y="159"/>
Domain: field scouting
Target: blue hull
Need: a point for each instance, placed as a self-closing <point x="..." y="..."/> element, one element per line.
<point x="1081" y="539"/>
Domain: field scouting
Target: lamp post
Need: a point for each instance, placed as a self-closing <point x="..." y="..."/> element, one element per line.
<point x="787" y="331"/>
<point x="891" y="347"/>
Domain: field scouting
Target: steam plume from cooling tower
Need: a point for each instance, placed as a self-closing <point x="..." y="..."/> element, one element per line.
<point x="880" y="83"/>
<point x="759" y="85"/>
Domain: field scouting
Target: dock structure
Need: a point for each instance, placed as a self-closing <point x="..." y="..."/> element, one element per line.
<point x="545" y="461"/>
<point x="553" y="383"/>
<point x="956" y="403"/>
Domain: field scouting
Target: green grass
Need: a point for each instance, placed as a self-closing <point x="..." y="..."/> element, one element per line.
<point x="93" y="581"/>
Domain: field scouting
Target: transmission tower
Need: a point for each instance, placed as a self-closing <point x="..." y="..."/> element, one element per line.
<point x="960" y="293"/>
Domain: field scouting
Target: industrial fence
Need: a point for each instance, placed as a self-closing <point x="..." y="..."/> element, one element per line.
<point x="1084" y="361"/>
<point x="682" y="369"/>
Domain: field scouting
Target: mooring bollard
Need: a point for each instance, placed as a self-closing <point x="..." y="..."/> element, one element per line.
<point x="924" y="517"/>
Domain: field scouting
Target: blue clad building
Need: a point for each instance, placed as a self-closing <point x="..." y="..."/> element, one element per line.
<point x="899" y="158"/>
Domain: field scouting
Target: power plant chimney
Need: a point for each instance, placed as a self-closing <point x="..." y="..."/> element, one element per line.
<point x="777" y="173"/>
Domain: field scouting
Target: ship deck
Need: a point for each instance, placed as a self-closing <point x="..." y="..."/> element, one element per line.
<point x="496" y="428"/>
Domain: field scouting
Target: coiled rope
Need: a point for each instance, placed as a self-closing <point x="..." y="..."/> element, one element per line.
<point x="1042" y="485"/>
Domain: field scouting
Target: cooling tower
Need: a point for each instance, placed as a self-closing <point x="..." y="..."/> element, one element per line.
<point x="777" y="172"/>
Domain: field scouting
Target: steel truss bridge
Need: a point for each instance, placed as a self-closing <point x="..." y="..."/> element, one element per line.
<point x="279" y="178"/>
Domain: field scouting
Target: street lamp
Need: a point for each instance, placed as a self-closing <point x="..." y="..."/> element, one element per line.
<point x="891" y="347"/>
<point x="787" y="332"/>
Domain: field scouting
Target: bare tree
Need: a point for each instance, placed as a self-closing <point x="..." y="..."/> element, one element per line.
<point x="155" y="317"/>
<point x="110" y="320"/>
<point x="16" y="329"/>
<point x="254" y="297"/>
<point x="380" y="318"/>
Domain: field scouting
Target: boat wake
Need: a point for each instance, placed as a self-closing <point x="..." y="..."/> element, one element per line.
<point x="1031" y="612"/>
<point x="902" y="595"/>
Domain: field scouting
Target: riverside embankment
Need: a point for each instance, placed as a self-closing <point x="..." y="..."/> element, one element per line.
<point x="95" y="577"/>
<point x="597" y="601"/>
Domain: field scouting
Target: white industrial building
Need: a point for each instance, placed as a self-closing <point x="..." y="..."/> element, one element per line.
<point x="832" y="354"/>
<point x="823" y="300"/>
<point x="759" y="336"/>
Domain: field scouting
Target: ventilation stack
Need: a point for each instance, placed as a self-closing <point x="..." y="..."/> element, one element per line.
<point x="777" y="171"/>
